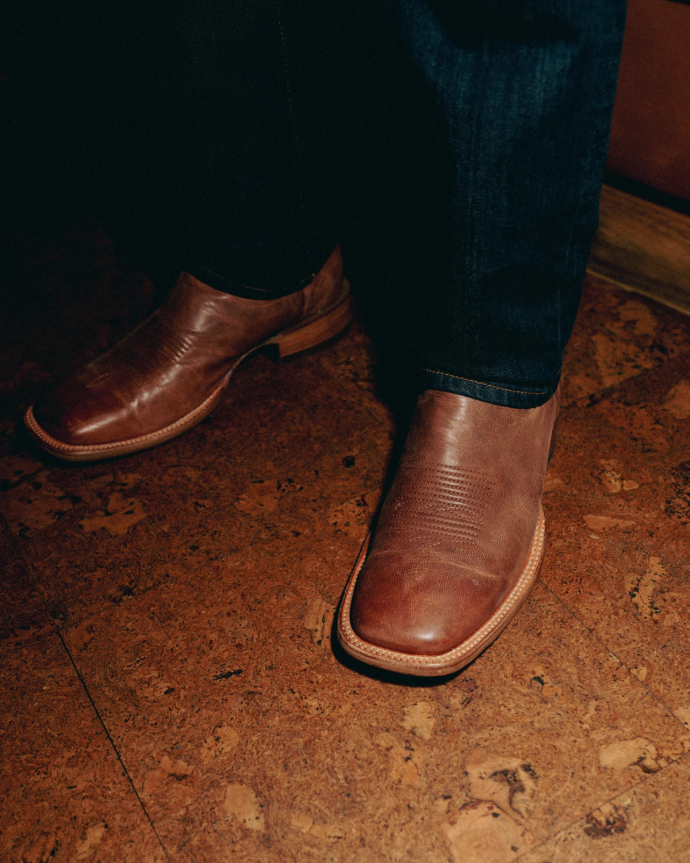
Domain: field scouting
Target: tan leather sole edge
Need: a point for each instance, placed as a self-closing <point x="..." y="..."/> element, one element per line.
<point x="463" y="654"/>
<point x="310" y="333"/>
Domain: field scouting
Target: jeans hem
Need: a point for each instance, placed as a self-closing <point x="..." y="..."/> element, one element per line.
<point x="237" y="289"/>
<point x="485" y="391"/>
<point x="291" y="285"/>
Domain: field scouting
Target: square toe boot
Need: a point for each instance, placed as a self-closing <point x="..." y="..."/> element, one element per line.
<point x="170" y="372"/>
<point x="459" y="539"/>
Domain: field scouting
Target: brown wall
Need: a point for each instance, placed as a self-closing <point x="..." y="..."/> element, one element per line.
<point x="650" y="137"/>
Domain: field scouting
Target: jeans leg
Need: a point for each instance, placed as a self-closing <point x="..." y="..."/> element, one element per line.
<point x="524" y="90"/>
<point x="263" y="203"/>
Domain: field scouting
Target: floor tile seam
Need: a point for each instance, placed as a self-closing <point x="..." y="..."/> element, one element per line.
<point x="9" y="646"/>
<point x="60" y="630"/>
<point x="107" y="610"/>
<point x="111" y="741"/>
<point x="575" y="821"/>
<point x="597" y="637"/>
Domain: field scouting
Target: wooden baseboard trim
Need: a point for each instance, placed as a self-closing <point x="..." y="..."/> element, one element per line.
<point x="643" y="247"/>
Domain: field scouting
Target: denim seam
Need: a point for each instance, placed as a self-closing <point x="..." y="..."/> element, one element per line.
<point x="491" y="386"/>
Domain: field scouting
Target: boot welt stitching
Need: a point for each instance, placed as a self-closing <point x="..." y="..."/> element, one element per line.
<point x="493" y="624"/>
<point x="56" y="444"/>
<point x="103" y="447"/>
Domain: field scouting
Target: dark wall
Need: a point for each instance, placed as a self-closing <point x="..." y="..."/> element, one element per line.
<point x="650" y="137"/>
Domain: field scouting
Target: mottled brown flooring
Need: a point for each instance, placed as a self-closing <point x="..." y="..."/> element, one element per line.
<point x="169" y="686"/>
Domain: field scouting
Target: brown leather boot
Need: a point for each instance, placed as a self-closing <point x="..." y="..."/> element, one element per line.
<point x="459" y="539"/>
<point x="170" y="372"/>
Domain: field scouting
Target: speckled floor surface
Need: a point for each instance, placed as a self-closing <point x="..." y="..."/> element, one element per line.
<point x="169" y="686"/>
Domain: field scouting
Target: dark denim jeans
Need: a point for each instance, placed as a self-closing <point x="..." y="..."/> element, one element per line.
<point x="519" y="94"/>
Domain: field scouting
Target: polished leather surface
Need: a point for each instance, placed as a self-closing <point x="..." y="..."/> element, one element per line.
<point x="454" y="533"/>
<point x="174" y="360"/>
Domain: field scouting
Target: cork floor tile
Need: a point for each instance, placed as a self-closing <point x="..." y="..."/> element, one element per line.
<point x="245" y="735"/>
<point x="65" y="797"/>
<point x="353" y="363"/>
<point x="617" y="501"/>
<point x="195" y="586"/>
<point x="24" y="614"/>
<point x="617" y="336"/>
<point x="647" y="824"/>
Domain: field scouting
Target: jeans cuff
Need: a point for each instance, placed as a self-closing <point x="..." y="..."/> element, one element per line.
<point x="486" y="391"/>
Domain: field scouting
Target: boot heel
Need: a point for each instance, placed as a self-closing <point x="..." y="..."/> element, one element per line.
<point x="316" y="331"/>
